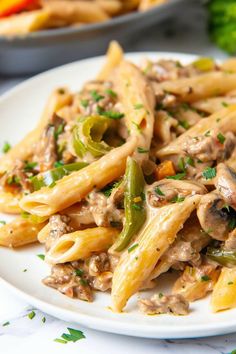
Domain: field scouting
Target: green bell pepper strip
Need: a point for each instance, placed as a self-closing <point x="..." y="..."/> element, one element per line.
<point x="49" y="177"/>
<point x="135" y="213"/>
<point x="221" y="256"/>
<point x="88" y="134"/>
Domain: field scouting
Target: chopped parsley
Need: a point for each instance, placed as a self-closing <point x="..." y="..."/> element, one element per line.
<point x="159" y="192"/>
<point x="59" y="130"/>
<point x="31" y="315"/>
<point x="226" y="206"/>
<point x="190" y="161"/>
<point x="41" y="256"/>
<point x="160" y="295"/>
<point x="221" y="138"/>
<point x="44" y="319"/>
<point x="138" y="106"/>
<point x="59" y="340"/>
<point x="137" y="206"/>
<point x="83" y="282"/>
<point x="95" y="96"/>
<point x="111" y="93"/>
<point x="142" y="150"/>
<point x="137" y="126"/>
<point x="177" y="176"/>
<point x="185" y="124"/>
<point x="205" y="278"/>
<point x="6" y="324"/>
<point x="131" y="248"/>
<point x="208" y="231"/>
<point x="84" y="103"/>
<point x="209" y="173"/>
<point x="3" y="222"/>
<point x="29" y="166"/>
<point x="224" y="104"/>
<point x="181" y="164"/>
<point x="25" y="270"/>
<point x="230" y="283"/>
<point x="13" y="180"/>
<point x="6" y="147"/>
<point x="109" y="188"/>
<point x="79" y="272"/>
<point x="177" y="199"/>
<point x="218" y="120"/>
<point x="73" y="336"/>
<point x="109" y="114"/>
<point x="208" y="133"/>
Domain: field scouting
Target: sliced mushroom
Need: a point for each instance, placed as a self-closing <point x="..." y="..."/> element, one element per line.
<point x="170" y="191"/>
<point x="225" y="183"/>
<point x="213" y="216"/>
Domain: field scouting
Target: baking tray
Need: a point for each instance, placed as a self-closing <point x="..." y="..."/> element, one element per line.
<point x="43" y="50"/>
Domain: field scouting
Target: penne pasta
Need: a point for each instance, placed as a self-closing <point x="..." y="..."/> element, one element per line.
<point x="147" y="4"/>
<point x="25" y="147"/>
<point x="9" y="203"/>
<point x="223" y="296"/>
<point x="113" y="58"/>
<point x="136" y="265"/>
<point x="222" y="121"/>
<point x="81" y="244"/>
<point x="19" y="232"/>
<point x="138" y="100"/>
<point x="73" y="188"/>
<point x="200" y="86"/>
<point x="215" y="104"/>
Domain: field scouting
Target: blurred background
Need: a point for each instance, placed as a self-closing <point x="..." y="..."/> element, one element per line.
<point x="31" y="41"/>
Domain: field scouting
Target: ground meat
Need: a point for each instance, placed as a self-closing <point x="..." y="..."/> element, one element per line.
<point x="16" y="179"/>
<point x="63" y="278"/>
<point x="102" y="282"/>
<point x="58" y="227"/>
<point x="159" y="303"/>
<point x="98" y="263"/>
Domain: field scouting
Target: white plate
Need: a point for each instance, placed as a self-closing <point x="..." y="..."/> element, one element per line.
<point x="19" y="111"/>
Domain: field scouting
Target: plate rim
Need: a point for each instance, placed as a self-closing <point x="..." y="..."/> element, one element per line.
<point x="106" y="324"/>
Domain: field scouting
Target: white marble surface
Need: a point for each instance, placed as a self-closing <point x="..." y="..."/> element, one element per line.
<point x="185" y="33"/>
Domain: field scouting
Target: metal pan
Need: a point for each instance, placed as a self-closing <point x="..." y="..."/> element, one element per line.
<point x="42" y="50"/>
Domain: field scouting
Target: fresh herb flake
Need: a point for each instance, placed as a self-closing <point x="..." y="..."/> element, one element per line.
<point x="58" y="164"/>
<point x="185" y="124"/>
<point x="6" y="324"/>
<point x="221" y="138"/>
<point x="79" y="272"/>
<point x="142" y="150"/>
<point x="59" y="340"/>
<point x="205" y="278"/>
<point x="225" y="104"/>
<point x="3" y="222"/>
<point x="159" y="191"/>
<point x="181" y="164"/>
<point x="111" y="93"/>
<point x="160" y="295"/>
<point x="230" y="283"/>
<point x="232" y="224"/>
<point x="41" y="256"/>
<point x="84" y="103"/>
<point x="190" y="161"/>
<point x="208" y="133"/>
<point x="177" y="176"/>
<point x="177" y="199"/>
<point x="138" y="106"/>
<point x="31" y="315"/>
<point x="29" y="166"/>
<point x="44" y="319"/>
<point x="137" y="206"/>
<point x="131" y="248"/>
<point x="96" y="96"/>
<point x="209" y="173"/>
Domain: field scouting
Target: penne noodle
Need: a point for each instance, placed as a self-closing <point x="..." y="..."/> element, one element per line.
<point x="194" y="287"/>
<point x="147" y="4"/>
<point x="113" y="58"/>
<point x="201" y="86"/>
<point x="111" y="7"/>
<point x="71" y="189"/>
<point x="215" y="104"/>
<point x="135" y="266"/>
<point x="223" y="296"/>
<point x="229" y="65"/>
<point x="24" y="23"/>
<point x="81" y="244"/>
<point x="9" y="203"/>
<point x="24" y="149"/>
<point x="222" y="121"/>
<point x="138" y="103"/>
<point x="44" y="233"/>
<point x="19" y="232"/>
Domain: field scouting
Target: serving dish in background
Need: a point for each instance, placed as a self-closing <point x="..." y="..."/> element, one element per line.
<point x="42" y="50"/>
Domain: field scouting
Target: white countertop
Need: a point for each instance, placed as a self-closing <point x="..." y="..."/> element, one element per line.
<point x="186" y="33"/>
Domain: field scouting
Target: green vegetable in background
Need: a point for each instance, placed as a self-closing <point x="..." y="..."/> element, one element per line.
<point x="49" y="178"/>
<point x="88" y="134"/>
<point x="135" y="214"/>
<point x="221" y="256"/>
<point x="222" y="24"/>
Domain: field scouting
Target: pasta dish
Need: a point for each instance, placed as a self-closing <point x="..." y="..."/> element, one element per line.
<point x="129" y="179"/>
<point x="20" y="17"/>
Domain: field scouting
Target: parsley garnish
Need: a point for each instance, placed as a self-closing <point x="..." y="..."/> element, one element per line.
<point x="136" y="125"/>
<point x="137" y="207"/>
<point x="205" y="278"/>
<point x="160" y="295"/>
<point x="59" y="340"/>
<point x="181" y="164"/>
<point x="190" y="161"/>
<point x="79" y="272"/>
<point x="13" y="180"/>
<point x="209" y="172"/>
<point x="111" y="93"/>
<point x="142" y="150"/>
<point x="6" y="324"/>
<point x="44" y="319"/>
<point x="6" y="147"/>
<point x="131" y="248"/>
<point x="58" y="164"/>
<point x="3" y="222"/>
<point x="41" y="256"/>
<point x="208" y="133"/>
<point x="73" y="336"/>
<point x="224" y="104"/>
<point x="138" y="106"/>
<point x="95" y="96"/>
<point x="230" y="282"/>
<point x="232" y="224"/>
<point x="59" y="130"/>
<point x="83" y="282"/>
<point x="25" y="270"/>
<point x="159" y="192"/>
<point x="84" y="103"/>
<point x="31" y="315"/>
<point x="29" y="166"/>
<point x="110" y="114"/>
<point x="177" y="176"/>
<point x="221" y="138"/>
<point x="185" y="124"/>
<point x="177" y="199"/>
